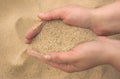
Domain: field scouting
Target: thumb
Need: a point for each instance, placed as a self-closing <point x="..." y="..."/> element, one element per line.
<point x="54" y="14"/>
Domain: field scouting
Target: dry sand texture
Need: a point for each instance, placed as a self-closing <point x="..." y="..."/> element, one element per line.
<point x="16" y="16"/>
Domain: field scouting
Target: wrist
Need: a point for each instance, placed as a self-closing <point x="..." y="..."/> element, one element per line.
<point x="95" y="22"/>
<point x="106" y="21"/>
<point x="113" y="52"/>
<point x="110" y="51"/>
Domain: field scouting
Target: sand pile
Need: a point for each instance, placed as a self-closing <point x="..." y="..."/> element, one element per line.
<point x="17" y="16"/>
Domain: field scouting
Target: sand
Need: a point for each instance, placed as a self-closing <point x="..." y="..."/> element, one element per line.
<point x="16" y="16"/>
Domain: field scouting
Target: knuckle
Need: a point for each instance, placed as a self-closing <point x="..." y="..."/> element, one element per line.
<point x="55" y="57"/>
<point x="66" y="19"/>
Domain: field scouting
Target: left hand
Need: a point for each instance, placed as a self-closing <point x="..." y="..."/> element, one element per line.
<point x="84" y="56"/>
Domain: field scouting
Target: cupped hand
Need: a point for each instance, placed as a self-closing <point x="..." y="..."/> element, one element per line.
<point x="82" y="57"/>
<point x="98" y="20"/>
<point x="72" y="15"/>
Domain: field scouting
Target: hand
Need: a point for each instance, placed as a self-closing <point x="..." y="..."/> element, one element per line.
<point x="73" y="15"/>
<point x="103" y="21"/>
<point x="84" y="56"/>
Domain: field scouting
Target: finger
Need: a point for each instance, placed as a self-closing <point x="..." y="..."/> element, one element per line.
<point x="62" y="57"/>
<point x="64" y="67"/>
<point x="56" y="65"/>
<point x="32" y="32"/>
<point x="37" y="55"/>
<point x="54" y="14"/>
<point x="28" y="41"/>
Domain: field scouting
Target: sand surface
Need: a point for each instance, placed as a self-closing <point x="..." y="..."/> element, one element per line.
<point x="16" y="16"/>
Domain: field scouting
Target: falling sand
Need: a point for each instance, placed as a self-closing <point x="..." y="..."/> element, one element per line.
<point x="17" y="16"/>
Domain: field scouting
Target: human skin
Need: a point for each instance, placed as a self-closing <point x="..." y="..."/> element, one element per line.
<point x="102" y="21"/>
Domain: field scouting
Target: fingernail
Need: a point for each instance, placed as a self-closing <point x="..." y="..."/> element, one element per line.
<point x="41" y="14"/>
<point x="34" y="28"/>
<point x="47" y="57"/>
<point x="27" y="41"/>
<point x="38" y="20"/>
<point x="31" y="51"/>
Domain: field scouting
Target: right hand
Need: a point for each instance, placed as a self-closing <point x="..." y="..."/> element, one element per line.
<point x="72" y="14"/>
<point x="103" y="20"/>
<point x="99" y="20"/>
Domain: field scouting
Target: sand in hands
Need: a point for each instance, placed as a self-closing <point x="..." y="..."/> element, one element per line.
<point x="18" y="16"/>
